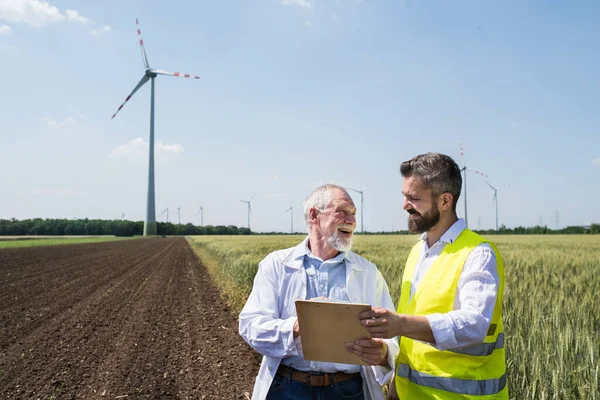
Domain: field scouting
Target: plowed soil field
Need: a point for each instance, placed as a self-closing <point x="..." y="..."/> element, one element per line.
<point x="137" y="319"/>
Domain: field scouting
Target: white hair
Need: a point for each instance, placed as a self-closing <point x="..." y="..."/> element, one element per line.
<point x="320" y="199"/>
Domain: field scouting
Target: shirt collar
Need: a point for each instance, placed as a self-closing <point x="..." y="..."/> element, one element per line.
<point x="451" y="234"/>
<point x="339" y="258"/>
<point x="296" y="258"/>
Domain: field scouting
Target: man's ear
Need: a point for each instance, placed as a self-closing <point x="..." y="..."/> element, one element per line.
<point x="313" y="214"/>
<point x="446" y="201"/>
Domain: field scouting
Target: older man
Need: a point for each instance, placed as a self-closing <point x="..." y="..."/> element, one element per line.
<point x="321" y="266"/>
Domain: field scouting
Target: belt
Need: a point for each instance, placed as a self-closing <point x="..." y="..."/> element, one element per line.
<point x="315" y="378"/>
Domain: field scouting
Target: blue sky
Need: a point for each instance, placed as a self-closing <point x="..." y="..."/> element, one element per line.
<point x="295" y="93"/>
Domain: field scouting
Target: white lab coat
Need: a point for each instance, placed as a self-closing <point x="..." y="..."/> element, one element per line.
<point x="267" y="319"/>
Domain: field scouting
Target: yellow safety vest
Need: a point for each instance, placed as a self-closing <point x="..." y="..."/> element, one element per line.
<point x="470" y="372"/>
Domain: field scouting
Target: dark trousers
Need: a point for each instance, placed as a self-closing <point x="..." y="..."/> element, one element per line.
<point x="285" y="388"/>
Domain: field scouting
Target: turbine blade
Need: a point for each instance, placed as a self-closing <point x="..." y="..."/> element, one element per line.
<point x="357" y="191"/>
<point x="144" y="58"/>
<point x="163" y="72"/>
<point x="373" y="180"/>
<point x="139" y="85"/>
<point x="490" y="185"/>
<point x="252" y="197"/>
<point x="477" y="172"/>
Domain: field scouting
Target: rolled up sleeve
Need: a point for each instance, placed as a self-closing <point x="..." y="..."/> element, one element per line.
<point x="474" y="305"/>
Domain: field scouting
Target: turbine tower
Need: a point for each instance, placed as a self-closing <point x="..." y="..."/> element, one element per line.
<point x="178" y="211"/>
<point x="362" y="205"/>
<point x="495" y="189"/>
<point x="150" y="74"/>
<point x="464" y="170"/>
<point x="201" y="212"/>
<point x="249" y="208"/>
<point x="291" y="218"/>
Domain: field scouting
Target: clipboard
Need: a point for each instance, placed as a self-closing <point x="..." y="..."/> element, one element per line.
<point x="326" y="326"/>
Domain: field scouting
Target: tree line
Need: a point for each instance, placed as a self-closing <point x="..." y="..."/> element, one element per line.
<point x="100" y="227"/>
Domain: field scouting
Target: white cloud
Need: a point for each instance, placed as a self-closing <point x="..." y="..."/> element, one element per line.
<point x="300" y="3"/>
<point x="596" y="161"/>
<point x="102" y="30"/>
<point x="73" y="15"/>
<point x="5" y="30"/>
<point x="336" y="18"/>
<point x="51" y="123"/>
<point x="137" y="150"/>
<point x="36" y="13"/>
<point x="308" y="24"/>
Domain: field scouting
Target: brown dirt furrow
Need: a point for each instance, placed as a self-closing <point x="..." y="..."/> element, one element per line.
<point x="61" y="262"/>
<point x="50" y="302"/>
<point x="141" y="320"/>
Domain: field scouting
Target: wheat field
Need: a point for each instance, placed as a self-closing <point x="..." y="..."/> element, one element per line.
<point x="551" y="305"/>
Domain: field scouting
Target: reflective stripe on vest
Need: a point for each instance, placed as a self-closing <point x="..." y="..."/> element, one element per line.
<point x="453" y="385"/>
<point x="481" y="349"/>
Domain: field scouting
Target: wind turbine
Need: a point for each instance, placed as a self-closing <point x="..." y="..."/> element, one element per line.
<point x="464" y="170"/>
<point x="201" y="212"/>
<point x="495" y="189"/>
<point x="249" y="208"/>
<point x="178" y="214"/>
<point x="362" y="205"/>
<point x="166" y="210"/>
<point x="150" y="74"/>
<point x="122" y="216"/>
<point x="291" y="218"/>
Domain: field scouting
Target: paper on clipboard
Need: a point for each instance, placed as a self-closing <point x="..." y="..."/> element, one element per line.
<point x="326" y="326"/>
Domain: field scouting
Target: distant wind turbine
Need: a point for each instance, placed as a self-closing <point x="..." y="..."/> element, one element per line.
<point x="362" y="205"/>
<point x="122" y="216"/>
<point x="150" y="74"/>
<point x="464" y="170"/>
<point x="201" y="212"/>
<point x="291" y="218"/>
<point x="178" y="211"/>
<point x="249" y="208"/>
<point x="166" y="210"/>
<point x="495" y="189"/>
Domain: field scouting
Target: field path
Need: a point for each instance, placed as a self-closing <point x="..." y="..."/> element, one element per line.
<point x="136" y="319"/>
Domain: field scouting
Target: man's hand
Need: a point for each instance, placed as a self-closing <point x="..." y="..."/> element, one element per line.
<point x="371" y="351"/>
<point x="296" y="329"/>
<point x="381" y="323"/>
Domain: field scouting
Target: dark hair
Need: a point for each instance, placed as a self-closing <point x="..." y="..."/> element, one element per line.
<point x="438" y="172"/>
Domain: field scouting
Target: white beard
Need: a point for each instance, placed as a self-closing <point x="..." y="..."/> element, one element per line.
<point x="340" y="243"/>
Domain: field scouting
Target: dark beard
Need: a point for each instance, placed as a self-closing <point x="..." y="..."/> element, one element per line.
<point x="428" y="220"/>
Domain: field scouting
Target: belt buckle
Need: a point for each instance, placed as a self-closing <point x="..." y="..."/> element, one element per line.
<point x="311" y="374"/>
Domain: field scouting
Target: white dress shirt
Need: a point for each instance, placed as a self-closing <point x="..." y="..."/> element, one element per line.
<point x="475" y="297"/>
